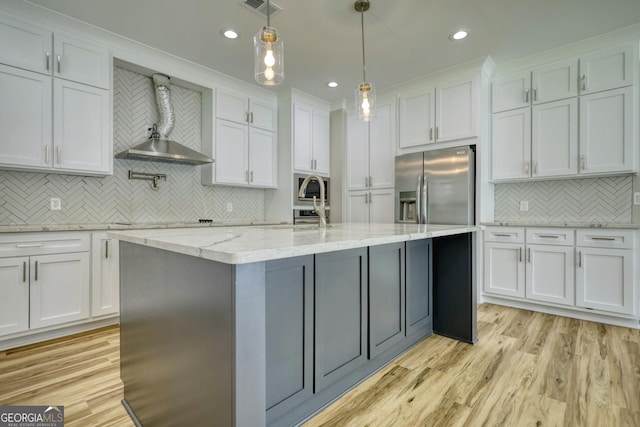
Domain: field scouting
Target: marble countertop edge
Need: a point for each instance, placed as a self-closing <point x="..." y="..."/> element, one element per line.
<point x="564" y="224"/>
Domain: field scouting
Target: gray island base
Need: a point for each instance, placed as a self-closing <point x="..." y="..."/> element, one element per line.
<point x="265" y="326"/>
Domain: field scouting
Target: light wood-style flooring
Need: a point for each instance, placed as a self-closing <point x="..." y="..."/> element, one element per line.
<point x="528" y="369"/>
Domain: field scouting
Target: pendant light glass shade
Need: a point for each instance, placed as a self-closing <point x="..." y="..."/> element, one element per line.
<point x="365" y="93"/>
<point x="268" y="59"/>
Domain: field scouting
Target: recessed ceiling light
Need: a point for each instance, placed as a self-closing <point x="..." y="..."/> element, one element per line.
<point x="332" y="84"/>
<point x="459" y="35"/>
<point x="229" y="33"/>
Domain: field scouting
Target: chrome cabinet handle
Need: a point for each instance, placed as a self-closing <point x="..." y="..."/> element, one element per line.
<point x="36" y="271"/>
<point x="366" y="181"/>
<point x="583" y="161"/>
<point x="580" y="259"/>
<point x="246" y="116"/>
<point x="315" y="164"/>
<point x="59" y="154"/>
<point x="24" y="271"/>
<point x="47" y="150"/>
<point x="520" y="254"/>
<point x="535" y="167"/>
<point x="106" y="249"/>
<point x="370" y="182"/>
<point x="584" y="82"/>
<point x="251" y="174"/>
<point x="603" y="238"/>
<point x="29" y="245"/>
<point x="526" y="95"/>
<point x="430" y="134"/>
<point x="437" y="133"/>
<point x="48" y="56"/>
<point x="502" y="235"/>
<point x="548" y="236"/>
<point x="59" y="60"/>
<point x="535" y="93"/>
<point x="252" y="117"/>
<point x="366" y="198"/>
<point x="526" y="167"/>
<point x="529" y="255"/>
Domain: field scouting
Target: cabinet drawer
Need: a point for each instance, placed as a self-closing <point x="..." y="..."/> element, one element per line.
<point x="42" y="243"/>
<point x="620" y="239"/>
<point x="504" y="234"/>
<point x="550" y="236"/>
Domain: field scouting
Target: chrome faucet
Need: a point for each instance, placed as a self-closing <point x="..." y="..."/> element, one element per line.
<point x="318" y="208"/>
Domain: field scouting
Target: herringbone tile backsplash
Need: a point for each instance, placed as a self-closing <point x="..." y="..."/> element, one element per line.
<point x="24" y="196"/>
<point x="573" y="200"/>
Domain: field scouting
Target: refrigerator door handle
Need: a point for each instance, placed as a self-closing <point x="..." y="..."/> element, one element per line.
<point x="418" y="201"/>
<point x="425" y="200"/>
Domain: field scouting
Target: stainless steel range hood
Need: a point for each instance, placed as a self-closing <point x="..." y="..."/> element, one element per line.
<point x="159" y="148"/>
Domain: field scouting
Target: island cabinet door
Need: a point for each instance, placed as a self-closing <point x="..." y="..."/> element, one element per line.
<point x="289" y="333"/>
<point x="419" y="286"/>
<point x="386" y="297"/>
<point x="340" y="314"/>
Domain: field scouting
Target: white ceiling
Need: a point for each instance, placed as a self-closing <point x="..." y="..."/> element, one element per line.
<point x="404" y="38"/>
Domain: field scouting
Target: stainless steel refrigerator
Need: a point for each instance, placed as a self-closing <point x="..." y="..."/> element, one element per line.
<point x="436" y="187"/>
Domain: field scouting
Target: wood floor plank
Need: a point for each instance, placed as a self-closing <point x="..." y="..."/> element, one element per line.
<point x="528" y="369"/>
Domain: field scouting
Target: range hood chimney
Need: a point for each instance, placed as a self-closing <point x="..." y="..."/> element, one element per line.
<point x="158" y="148"/>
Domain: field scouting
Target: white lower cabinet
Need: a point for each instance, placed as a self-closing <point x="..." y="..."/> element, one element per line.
<point x="44" y="280"/>
<point x="584" y="268"/>
<point x="375" y="206"/>
<point x="105" y="275"/>
<point x="59" y="291"/>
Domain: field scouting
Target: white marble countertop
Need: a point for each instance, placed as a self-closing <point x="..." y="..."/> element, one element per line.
<point x="241" y="245"/>
<point x="34" y="228"/>
<point x="562" y="224"/>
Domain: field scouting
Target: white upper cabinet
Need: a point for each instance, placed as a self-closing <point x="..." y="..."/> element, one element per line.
<point x="446" y="112"/>
<point x="25" y="45"/>
<point x="417" y="118"/>
<point x="511" y="144"/>
<point x="456" y="115"/>
<point x="554" y="139"/>
<point x="311" y="143"/>
<point x="547" y="83"/>
<point x="357" y="150"/>
<point x="80" y="61"/>
<point x="244" y="146"/>
<point x="606" y="69"/>
<point x="606" y="132"/>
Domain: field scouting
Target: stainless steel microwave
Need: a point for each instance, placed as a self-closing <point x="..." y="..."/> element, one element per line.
<point x="313" y="189"/>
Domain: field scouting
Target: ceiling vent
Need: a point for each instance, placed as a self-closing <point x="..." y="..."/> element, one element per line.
<point x="260" y="7"/>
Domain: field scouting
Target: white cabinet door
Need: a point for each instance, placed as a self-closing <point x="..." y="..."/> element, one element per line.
<point x="605" y="279"/>
<point x="555" y="81"/>
<point x="105" y="275"/>
<point x="504" y="269"/>
<point x="510" y="92"/>
<point x="232" y="143"/>
<point x="511" y="144"/>
<point x="554" y="142"/>
<point x="59" y="289"/>
<point x="321" y="142"/>
<point x="417" y="118"/>
<point x="381" y="203"/>
<point x="607" y="69"/>
<point x="606" y="131"/>
<point x="302" y="137"/>
<point x="25" y="118"/>
<point x="232" y="106"/>
<point x="81" y="61"/>
<point x="357" y="153"/>
<point x="81" y="128"/>
<point x="25" y="45"/>
<point x="262" y="114"/>
<point x="550" y="274"/>
<point x="456" y="115"/>
<point x="382" y="147"/>
<point x="357" y="206"/>
<point x="262" y="145"/>
<point x="14" y="295"/>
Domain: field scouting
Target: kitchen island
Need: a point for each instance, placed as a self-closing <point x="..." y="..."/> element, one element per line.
<point x="255" y="326"/>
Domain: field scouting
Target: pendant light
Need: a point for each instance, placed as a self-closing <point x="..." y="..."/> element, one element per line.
<point x="268" y="54"/>
<point x="365" y="93"/>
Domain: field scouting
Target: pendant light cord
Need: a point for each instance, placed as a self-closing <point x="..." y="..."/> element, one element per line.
<point x="268" y="15"/>
<point x="364" y="66"/>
